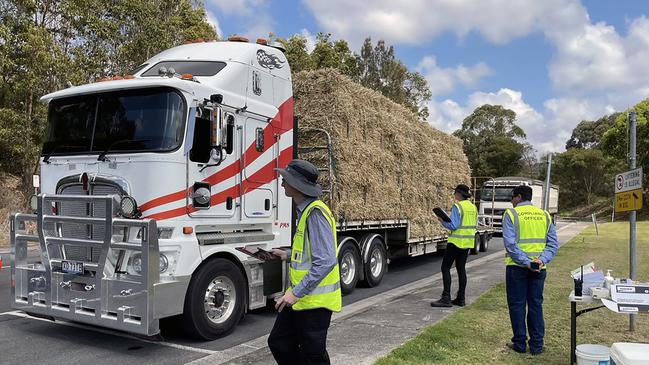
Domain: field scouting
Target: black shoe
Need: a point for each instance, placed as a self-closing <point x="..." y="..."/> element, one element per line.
<point x="534" y="353"/>
<point x="513" y="347"/>
<point x="446" y="303"/>
<point x="458" y="302"/>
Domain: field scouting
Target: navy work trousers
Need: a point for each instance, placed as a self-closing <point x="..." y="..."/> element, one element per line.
<point x="300" y="337"/>
<point x="525" y="292"/>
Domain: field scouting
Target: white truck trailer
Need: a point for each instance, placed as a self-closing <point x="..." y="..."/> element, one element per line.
<point x="149" y="183"/>
<point x="496" y="196"/>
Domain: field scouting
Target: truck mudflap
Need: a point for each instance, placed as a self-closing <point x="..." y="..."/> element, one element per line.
<point x="104" y="290"/>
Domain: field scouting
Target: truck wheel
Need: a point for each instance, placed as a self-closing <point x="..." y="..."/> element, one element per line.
<point x="476" y="244"/>
<point x="375" y="260"/>
<point x="484" y="243"/>
<point x="215" y="300"/>
<point x="349" y="262"/>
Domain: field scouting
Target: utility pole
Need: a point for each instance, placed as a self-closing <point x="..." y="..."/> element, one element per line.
<point x="632" y="119"/>
<point x="546" y="193"/>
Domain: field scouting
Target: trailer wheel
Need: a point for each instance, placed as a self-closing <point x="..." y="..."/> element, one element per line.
<point x="375" y="260"/>
<point x="349" y="261"/>
<point x="215" y="300"/>
<point x="484" y="243"/>
<point x="476" y="244"/>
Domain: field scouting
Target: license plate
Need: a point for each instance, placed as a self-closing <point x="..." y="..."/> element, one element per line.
<point x="72" y="267"/>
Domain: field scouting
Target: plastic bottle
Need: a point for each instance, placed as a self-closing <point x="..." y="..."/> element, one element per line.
<point x="608" y="279"/>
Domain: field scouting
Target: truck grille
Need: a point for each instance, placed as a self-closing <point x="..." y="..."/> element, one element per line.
<point x="83" y="231"/>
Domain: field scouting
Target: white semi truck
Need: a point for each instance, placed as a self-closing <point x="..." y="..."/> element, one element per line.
<point x="149" y="183"/>
<point x="496" y="196"/>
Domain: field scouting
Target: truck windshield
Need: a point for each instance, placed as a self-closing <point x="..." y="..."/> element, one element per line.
<point x="500" y="194"/>
<point x="90" y="124"/>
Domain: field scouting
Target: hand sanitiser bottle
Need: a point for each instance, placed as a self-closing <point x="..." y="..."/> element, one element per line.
<point x="608" y="279"/>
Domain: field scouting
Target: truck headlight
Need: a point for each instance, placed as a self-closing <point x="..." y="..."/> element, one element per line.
<point x="128" y="207"/>
<point x="136" y="263"/>
<point x="164" y="263"/>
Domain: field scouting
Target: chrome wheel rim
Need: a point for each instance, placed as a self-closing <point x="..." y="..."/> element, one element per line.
<point x="376" y="262"/>
<point x="220" y="299"/>
<point x="348" y="268"/>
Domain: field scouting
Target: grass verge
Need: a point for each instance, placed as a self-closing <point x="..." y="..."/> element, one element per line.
<point x="477" y="334"/>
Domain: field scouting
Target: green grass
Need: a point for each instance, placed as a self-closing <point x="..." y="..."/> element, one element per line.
<point x="477" y="334"/>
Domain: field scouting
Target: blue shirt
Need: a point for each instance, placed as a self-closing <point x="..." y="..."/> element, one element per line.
<point x="456" y="220"/>
<point x="515" y="252"/>
<point x="323" y="252"/>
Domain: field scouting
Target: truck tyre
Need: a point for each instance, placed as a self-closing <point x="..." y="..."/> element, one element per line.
<point x="484" y="242"/>
<point x="215" y="300"/>
<point x="375" y="261"/>
<point x="349" y="262"/>
<point x="476" y="244"/>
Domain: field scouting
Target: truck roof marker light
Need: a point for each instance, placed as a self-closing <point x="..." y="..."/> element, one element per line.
<point x="129" y="77"/>
<point x="106" y="78"/>
<point x="262" y="41"/>
<point x="187" y="76"/>
<point x="238" y="38"/>
<point x="199" y="40"/>
<point x="188" y="230"/>
<point x="118" y="78"/>
<point x="189" y="41"/>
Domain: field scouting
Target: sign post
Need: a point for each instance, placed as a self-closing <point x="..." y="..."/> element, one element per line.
<point x="628" y="198"/>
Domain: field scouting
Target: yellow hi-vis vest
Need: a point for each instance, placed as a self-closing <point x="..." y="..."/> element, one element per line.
<point x="464" y="236"/>
<point x="327" y="294"/>
<point x="531" y="225"/>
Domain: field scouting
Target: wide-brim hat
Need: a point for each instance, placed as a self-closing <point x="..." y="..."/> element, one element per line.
<point x="464" y="190"/>
<point x="303" y="176"/>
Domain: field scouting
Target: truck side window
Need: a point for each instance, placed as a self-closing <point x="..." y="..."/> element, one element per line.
<point x="201" y="146"/>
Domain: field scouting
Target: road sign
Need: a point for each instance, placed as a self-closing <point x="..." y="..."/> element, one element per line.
<point x="627" y="201"/>
<point x="630" y="180"/>
<point x="628" y="191"/>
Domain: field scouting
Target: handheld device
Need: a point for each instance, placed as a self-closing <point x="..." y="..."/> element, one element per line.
<point x="535" y="265"/>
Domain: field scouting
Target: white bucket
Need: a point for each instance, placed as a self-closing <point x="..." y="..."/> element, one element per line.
<point x="593" y="355"/>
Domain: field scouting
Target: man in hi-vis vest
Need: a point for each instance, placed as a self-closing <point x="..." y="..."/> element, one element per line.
<point x="464" y="218"/>
<point x="299" y="335"/>
<point x="531" y="243"/>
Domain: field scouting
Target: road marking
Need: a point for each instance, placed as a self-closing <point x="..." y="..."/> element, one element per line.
<point x="113" y="333"/>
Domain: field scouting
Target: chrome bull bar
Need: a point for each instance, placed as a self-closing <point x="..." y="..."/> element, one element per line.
<point x="103" y="294"/>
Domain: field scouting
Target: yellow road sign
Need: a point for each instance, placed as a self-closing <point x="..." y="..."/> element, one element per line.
<point x="627" y="201"/>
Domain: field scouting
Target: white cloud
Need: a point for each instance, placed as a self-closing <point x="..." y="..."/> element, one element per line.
<point x="546" y="131"/>
<point x="310" y="40"/>
<point x="444" y="80"/>
<point x="214" y="22"/>
<point x="419" y="21"/>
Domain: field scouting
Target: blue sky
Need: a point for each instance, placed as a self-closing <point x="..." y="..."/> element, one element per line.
<point x="554" y="62"/>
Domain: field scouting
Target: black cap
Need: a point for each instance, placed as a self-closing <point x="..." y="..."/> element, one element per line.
<point x="464" y="190"/>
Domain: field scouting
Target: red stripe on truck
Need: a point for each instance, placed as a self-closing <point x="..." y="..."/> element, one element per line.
<point x="261" y="177"/>
<point x="281" y="123"/>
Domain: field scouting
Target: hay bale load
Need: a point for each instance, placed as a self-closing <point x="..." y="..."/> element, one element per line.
<point x="388" y="164"/>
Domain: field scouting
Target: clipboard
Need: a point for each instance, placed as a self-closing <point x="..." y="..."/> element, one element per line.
<point x="259" y="254"/>
<point x="442" y="214"/>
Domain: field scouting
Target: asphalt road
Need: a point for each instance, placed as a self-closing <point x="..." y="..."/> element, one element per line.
<point x="25" y="340"/>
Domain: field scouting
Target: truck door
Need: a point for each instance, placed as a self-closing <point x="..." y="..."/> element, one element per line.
<point x="258" y="188"/>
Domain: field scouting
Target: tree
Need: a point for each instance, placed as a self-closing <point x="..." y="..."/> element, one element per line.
<point x="588" y="134"/>
<point x="328" y="54"/>
<point x="296" y="53"/>
<point x="380" y="70"/>
<point x="493" y="143"/>
<point x="45" y="45"/>
<point x="615" y="140"/>
<point x="583" y="174"/>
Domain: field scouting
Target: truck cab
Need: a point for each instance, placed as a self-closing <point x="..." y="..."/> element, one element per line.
<point x="496" y="196"/>
<point x="148" y="183"/>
